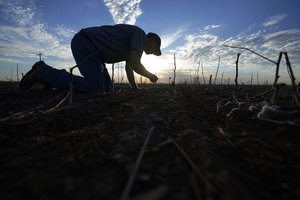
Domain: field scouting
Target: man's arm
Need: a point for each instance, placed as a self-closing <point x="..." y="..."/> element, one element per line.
<point x="134" y="62"/>
<point x="130" y="77"/>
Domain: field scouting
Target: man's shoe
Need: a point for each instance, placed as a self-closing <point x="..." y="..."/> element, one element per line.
<point x="31" y="77"/>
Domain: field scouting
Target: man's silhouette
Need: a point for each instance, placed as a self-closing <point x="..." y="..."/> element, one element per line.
<point x="92" y="48"/>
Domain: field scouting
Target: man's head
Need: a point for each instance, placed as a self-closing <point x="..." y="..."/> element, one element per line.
<point x="153" y="44"/>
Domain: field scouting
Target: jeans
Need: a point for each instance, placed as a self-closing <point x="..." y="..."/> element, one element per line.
<point x="95" y="77"/>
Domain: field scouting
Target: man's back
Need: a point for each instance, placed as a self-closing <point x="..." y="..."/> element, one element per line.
<point x="116" y="42"/>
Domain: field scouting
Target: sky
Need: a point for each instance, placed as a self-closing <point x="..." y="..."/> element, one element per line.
<point x="195" y="31"/>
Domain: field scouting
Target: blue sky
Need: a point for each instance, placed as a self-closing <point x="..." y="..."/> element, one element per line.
<point x="194" y="30"/>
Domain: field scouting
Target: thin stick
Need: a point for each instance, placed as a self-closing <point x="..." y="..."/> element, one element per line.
<point x="71" y="85"/>
<point x="198" y="79"/>
<point x="188" y="159"/>
<point x="276" y="78"/>
<point x="59" y="103"/>
<point x="237" y="70"/>
<point x="203" y="74"/>
<point x="129" y="184"/>
<point x="235" y="99"/>
<point x="277" y="69"/>
<point x="174" y="70"/>
<point x="17" y="72"/>
<point x="192" y="164"/>
<point x="291" y="74"/>
<point x="37" y="110"/>
<point x="12" y="74"/>
<point x="251" y="52"/>
<point x="217" y="70"/>
<point x="222" y="78"/>
<point x="262" y="94"/>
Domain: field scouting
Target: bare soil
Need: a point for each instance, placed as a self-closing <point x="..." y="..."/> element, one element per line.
<point x="88" y="150"/>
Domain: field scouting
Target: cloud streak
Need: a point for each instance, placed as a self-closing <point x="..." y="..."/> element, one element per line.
<point x="124" y="11"/>
<point x="19" y="12"/>
<point x="213" y="26"/>
<point x="24" y="35"/>
<point x="274" y="19"/>
<point x="206" y="47"/>
<point x="169" y="39"/>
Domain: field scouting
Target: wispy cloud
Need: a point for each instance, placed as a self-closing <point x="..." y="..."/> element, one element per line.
<point x="64" y="32"/>
<point x="24" y="35"/>
<point x="286" y="40"/>
<point x="169" y="39"/>
<point x="274" y="19"/>
<point x="124" y="11"/>
<point x="19" y="12"/>
<point x="207" y="48"/>
<point x="11" y="60"/>
<point x="213" y="26"/>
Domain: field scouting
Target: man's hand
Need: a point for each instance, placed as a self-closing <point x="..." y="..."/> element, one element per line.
<point x="153" y="78"/>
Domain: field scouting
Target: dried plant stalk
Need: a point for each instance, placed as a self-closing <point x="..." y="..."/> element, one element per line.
<point x="203" y="74"/>
<point x="222" y="78"/>
<point x="174" y="70"/>
<point x="251" y="52"/>
<point x="71" y="84"/>
<point x="129" y="184"/>
<point x="293" y="79"/>
<point x="217" y="70"/>
<point x="277" y="69"/>
<point x="276" y="78"/>
<point x="289" y="69"/>
<point x="208" y="186"/>
<point x="237" y="70"/>
<point x="210" y="77"/>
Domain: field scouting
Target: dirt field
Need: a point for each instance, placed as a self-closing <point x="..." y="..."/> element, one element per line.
<point x="186" y="149"/>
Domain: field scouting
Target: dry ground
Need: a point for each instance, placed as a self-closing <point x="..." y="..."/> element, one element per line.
<point x="88" y="150"/>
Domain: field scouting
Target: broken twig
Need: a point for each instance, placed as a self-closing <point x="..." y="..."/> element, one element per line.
<point x="129" y="184"/>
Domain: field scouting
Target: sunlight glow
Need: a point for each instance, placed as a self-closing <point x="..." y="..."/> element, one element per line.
<point x="155" y="64"/>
